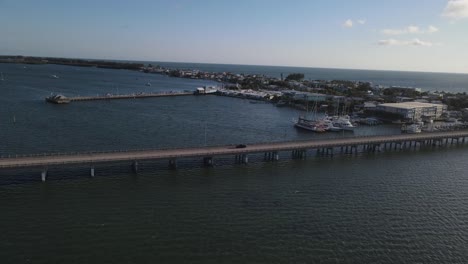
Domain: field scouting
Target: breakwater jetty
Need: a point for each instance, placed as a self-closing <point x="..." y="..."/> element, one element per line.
<point x="60" y="99"/>
<point x="298" y="149"/>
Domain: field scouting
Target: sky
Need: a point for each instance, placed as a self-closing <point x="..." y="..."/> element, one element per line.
<point x="407" y="35"/>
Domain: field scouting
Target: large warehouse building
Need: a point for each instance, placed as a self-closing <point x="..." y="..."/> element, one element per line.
<point x="414" y="110"/>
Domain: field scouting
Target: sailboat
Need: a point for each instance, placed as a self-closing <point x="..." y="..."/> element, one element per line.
<point x="343" y="121"/>
<point x="310" y="124"/>
<point x="1" y="76"/>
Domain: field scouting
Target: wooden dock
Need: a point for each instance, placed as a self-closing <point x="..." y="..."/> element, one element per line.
<point x="299" y="149"/>
<point x="66" y="100"/>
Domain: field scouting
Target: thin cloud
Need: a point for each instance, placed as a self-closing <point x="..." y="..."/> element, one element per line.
<point x="389" y="42"/>
<point x="410" y="30"/>
<point x="418" y="42"/>
<point x="432" y="29"/>
<point x="348" y="23"/>
<point x="456" y="9"/>
<point x="361" y="21"/>
<point x="414" y="42"/>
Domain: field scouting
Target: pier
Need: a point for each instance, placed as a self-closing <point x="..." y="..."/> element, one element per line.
<point x="60" y="99"/>
<point x="271" y="151"/>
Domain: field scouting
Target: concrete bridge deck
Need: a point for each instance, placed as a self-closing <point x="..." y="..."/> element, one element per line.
<point x="171" y="154"/>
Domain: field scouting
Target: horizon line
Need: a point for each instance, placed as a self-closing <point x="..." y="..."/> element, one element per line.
<point x="234" y="64"/>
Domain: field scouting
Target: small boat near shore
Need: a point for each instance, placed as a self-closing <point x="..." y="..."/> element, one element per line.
<point x="412" y="128"/>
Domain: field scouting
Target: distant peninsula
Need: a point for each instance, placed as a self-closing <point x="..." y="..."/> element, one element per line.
<point x="72" y="62"/>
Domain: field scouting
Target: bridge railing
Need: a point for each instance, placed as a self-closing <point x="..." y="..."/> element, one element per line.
<point x="331" y="141"/>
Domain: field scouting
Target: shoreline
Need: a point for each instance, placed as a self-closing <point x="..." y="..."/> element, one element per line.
<point x="70" y="62"/>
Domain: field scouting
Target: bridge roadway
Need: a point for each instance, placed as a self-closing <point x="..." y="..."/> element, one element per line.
<point x="171" y="154"/>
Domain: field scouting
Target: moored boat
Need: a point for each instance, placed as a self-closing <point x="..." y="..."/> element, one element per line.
<point x="310" y="125"/>
<point x="412" y="128"/>
<point x="343" y="122"/>
<point x="329" y="126"/>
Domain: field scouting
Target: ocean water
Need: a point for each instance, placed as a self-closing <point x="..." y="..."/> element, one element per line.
<point x="391" y="207"/>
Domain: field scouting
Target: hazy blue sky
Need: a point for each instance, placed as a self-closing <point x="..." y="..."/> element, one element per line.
<point x="429" y="35"/>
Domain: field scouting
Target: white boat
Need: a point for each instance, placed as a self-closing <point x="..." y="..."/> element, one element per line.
<point x="412" y="128"/>
<point x="54" y="76"/>
<point x="211" y="90"/>
<point x="148" y="84"/>
<point x="309" y="124"/>
<point x="329" y="126"/>
<point x="343" y="122"/>
<point x="312" y="124"/>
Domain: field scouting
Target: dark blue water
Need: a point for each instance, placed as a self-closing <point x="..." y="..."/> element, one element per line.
<point x="392" y="207"/>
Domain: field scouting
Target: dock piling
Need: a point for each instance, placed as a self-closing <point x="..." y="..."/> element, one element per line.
<point x="44" y="174"/>
<point x="135" y="166"/>
<point x="208" y="161"/>
<point x="245" y="158"/>
<point x="173" y="164"/>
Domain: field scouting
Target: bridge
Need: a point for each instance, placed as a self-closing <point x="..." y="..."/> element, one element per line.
<point x="298" y="149"/>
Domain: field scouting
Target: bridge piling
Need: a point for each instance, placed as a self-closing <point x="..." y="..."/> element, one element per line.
<point x="245" y="158"/>
<point x="44" y="174"/>
<point x="299" y="153"/>
<point x="173" y="164"/>
<point x="135" y="166"/>
<point x="208" y="161"/>
<point x="273" y="156"/>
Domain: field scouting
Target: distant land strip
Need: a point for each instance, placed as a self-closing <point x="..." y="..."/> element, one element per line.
<point x="72" y="62"/>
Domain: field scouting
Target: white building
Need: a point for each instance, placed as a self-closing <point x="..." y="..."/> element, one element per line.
<point x="414" y="110"/>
